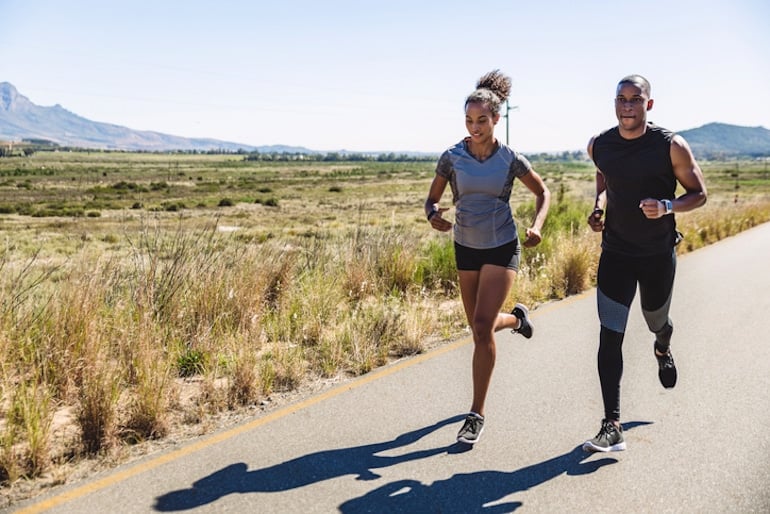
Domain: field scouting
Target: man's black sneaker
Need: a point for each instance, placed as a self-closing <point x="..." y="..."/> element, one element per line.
<point x="666" y="369"/>
<point x="471" y="430"/>
<point x="609" y="439"/>
<point x="525" y="328"/>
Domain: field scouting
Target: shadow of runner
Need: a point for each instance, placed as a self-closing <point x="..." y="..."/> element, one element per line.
<point x="467" y="493"/>
<point x="308" y="469"/>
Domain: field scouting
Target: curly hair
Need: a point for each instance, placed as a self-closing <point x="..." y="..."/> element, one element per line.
<point x="492" y="89"/>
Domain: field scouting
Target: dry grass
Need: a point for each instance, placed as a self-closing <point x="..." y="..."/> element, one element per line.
<point x="139" y="324"/>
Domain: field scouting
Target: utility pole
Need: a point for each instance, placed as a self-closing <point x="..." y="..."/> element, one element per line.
<point x="508" y="109"/>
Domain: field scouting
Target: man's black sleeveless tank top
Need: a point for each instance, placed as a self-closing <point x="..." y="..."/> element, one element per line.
<point x="635" y="169"/>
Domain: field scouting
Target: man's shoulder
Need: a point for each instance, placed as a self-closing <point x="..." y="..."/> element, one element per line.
<point x="662" y="132"/>
<point x="609" y="133"/>
<point x="610" y="136"/>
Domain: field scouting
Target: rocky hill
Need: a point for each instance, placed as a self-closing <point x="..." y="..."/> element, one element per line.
<point x="720" y="140"/>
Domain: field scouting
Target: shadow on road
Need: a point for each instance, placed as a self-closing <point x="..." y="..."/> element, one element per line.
<point x="460" y="493"/>
<point x="470" y="492"/>
<point x="308" y="469"/>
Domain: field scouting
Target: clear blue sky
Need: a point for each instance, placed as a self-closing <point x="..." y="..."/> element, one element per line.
<point x="389" y="75"/>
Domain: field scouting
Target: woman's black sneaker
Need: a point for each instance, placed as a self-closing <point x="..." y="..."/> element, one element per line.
<point x="525" y="327"/>
<point x="471" y="430"/>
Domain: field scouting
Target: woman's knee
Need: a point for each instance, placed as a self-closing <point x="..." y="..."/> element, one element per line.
<point x="483" y="327"/>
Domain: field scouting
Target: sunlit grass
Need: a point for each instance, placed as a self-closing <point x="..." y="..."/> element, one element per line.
<point x="115" y="316"/>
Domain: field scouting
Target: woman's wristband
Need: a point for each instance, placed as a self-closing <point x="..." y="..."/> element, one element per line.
<point x="432" y="213"/>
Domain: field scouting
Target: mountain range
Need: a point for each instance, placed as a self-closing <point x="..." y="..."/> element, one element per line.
<point x="20" y="119"/>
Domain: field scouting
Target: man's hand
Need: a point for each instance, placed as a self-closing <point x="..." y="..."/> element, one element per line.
<point x="652" y="208"/>
<point x="596" y="220"/>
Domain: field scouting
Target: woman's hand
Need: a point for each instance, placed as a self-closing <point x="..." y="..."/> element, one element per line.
<point x="533" y="238"/>
<point x="437" y="221"/>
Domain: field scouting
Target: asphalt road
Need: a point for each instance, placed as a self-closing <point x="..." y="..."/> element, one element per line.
<point x="386" y="442"/>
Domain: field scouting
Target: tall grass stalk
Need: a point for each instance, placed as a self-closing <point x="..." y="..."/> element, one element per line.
<point x="98" y="395"/>
<point x="150" y="388"/>
<point x="243" y="388"/>
<point x="31" y="412"/>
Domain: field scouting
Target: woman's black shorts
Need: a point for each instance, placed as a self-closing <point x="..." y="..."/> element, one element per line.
<point x="472" y="259"/>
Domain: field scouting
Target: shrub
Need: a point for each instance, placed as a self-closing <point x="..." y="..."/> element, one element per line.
<point x="271" y="202"/>
<point x="191" y="362"/>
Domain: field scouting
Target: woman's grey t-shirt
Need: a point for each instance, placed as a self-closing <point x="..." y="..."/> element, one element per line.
<point x="481" y="191"/>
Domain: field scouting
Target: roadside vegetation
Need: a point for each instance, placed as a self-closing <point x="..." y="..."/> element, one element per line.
<point x="141" y="293"/>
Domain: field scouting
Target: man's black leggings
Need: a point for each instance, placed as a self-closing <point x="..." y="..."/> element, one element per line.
<point x="617" y="278"/>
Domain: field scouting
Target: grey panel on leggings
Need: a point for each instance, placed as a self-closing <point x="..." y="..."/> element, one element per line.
<point x="657" y="319"/>
<point x="612" y="314"/>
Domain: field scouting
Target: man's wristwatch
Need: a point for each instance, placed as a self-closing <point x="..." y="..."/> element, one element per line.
<point x="668" y="206"/>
